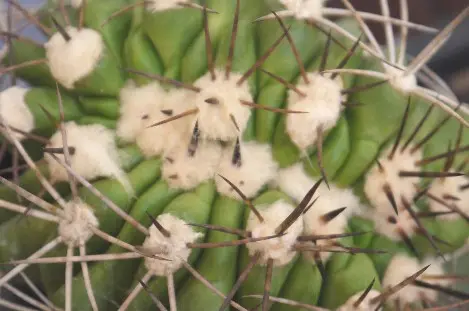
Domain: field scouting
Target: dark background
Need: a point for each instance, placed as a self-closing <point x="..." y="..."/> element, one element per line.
<point x="452" y="62"/>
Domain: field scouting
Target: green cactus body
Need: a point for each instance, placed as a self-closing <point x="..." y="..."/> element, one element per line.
<point x="263" y="155"/>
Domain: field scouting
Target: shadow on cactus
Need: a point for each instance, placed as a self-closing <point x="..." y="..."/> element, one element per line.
<point x="215" y="155"/>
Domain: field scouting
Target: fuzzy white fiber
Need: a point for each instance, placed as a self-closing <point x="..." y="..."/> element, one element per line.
<point x="401" y="187"/>
<point x="279" y="249"/>
<point x="76" y="3"/>
<point x="405" y="84"/>
<point x="214" y="119"/>
<point x="305" y="8"/>
<point x="71" y="61"/>
<point x="384" y="226"/>
<point x="163" y="5"/>
<point x="257" y="169"/>
<point x="449" y="186"/>
<point x="154" y="141"/>
<point x="95" y="154"/>
<point x="435" y="269"/>
<point x="323" y="104"/>
<point x="136" y="104"/>
<point x="14" y="111"/>
<point x="365" y="305"/>
<point x="314" y="225"/>
<point x="401" y="267"/>
<point x="183" y="171"/>
<point x="173" y="247"/>
<point x="74" y="226"/>
<point x="295" y="182"/>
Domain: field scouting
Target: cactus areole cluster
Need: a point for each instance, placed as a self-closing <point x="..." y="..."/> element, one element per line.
<point x="235" y="154"/>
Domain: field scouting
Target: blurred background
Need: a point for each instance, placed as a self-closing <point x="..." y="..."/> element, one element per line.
<point x="451" y="63"/>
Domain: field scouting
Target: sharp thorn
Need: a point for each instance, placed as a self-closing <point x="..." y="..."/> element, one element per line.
<point x="298" y="211"/>
<point x="332" y="214"/>
<point x="364" y="294"/>
<point x="158" y="226"/>
<point x="245" y="199"/>
<point x="61" y="29"/>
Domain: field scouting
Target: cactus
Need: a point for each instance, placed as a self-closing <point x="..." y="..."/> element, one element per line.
<point x="235" y="154"/>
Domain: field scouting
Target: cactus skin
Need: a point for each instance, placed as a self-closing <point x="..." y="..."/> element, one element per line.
<point x="227" y="162"/>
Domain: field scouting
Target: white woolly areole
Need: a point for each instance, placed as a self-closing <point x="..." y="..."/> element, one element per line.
<point x="322" y="104"/>
<point x="215" y="121"/>
<point x="365" y="305"/>
<point x="441" y="188"/>
<point x="256" y="170"/>
<point x="154" y="141"/>
<point x="180" y="170"/>
<point x="389" y="224"/>
<point x="15" y="112"/>
<point x="314" y="225"/>
<point x="435" y="269"/>
<point x="70" y="61"/>
<point x="405" y="84"/>
<point x="304" y="9"/>
<point x="279" y="249"/>
<point x="295" y="182"/>
<point x="401" y="187"/>
<point x="163" y="5"/>
<point x="76" y="223"/>
<point x="136" y="104"/>
<point x="76" y="3"/>
<point x="401" y="267"/>
<point x="95" y="154"/>
<point x="173" y="247"/>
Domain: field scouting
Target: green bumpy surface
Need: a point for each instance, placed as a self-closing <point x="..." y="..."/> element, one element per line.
<point x="172" y="44"/>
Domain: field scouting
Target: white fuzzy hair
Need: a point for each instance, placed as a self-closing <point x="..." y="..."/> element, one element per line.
<point x="71" y="61"/>
<point x="154" y="141"/>
<point x="435" y="269"/>
<point x="449" y="186"/>
<point x="14" y="110"/>
<point x="173" y="247"/>
<point x="279" y="249"/>
<point x="314" y="225"/>
<point x="323" y="104"/>
<point x="136" y="103"/>
<point x="214" y="119"/>
<point x="401" y="187"/>
<point x="305" y="9"/>
<point x="405" y="84"/>
<point x="296" y="183"/>
<point x="257" y="169"/>
<point x="76" y="3"/>
<point x="384" y="226"/>
<point x="163" y="5"/>
<point x="74" y="226"/>
<point x="365" y="305"/>
<point x="190" y="171"/>
<point x="401" y="267"/>
<point x="95" y="154"/>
